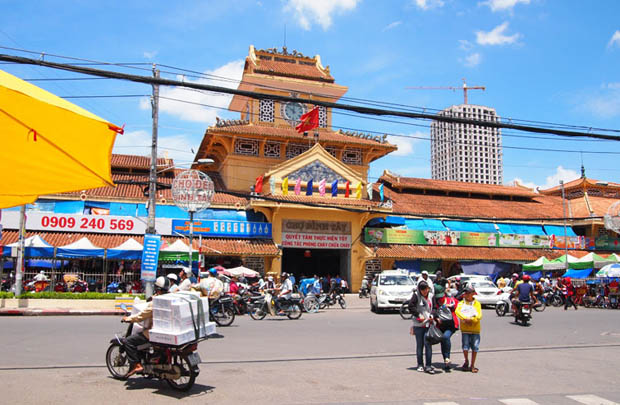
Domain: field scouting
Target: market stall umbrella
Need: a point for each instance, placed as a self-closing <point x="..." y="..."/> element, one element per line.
<point x="241" y="271"/>
<point x="610" y="270"/>
<point x="49" y="145"/>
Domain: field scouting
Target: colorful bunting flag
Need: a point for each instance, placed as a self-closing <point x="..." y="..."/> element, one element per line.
<point x="258" y="186"/>
<point x="298" y="186"/>
<point x="322" y="188"/>
<point x="272" y="185"/>
<point x="285" y="186"/>
<point x="309" y="188"/>
<point x="369" y="190"/>
<point x="346" y="189"/>
<point x="358" y="191"/>
<point x="335" y="188"/>
<point x="381" y="191"/>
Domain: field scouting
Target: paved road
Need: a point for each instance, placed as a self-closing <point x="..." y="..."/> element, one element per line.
<point x="336" y="356"/>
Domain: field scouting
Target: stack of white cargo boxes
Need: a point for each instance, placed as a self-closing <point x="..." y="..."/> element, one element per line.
<point x="177" y="318"/>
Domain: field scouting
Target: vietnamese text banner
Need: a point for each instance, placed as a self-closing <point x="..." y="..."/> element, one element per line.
<point x="150" y="257"/>
<point x="315" y="241"/>
<point x="224" y="229"/>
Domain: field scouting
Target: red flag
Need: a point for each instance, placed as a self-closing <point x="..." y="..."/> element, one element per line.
<point x="308" y="121"/>
<point x="346" y="189"/>
<point x="258" y="187"/>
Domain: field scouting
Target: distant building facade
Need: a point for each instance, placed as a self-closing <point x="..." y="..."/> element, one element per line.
<point x="465" y="152"/>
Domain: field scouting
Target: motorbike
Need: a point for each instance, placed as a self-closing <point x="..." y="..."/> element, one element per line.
<point x="503" y="305"/>
<point x="523" y="314"/>
<point x="259" y="307"/>
<point x="404" y="311"/>
<point x="327" y="300"/>
<point x="557" y="298"/>
<point x="221" y="310"/>
<point x="177" y="365"/>
<point x="364" y="292"/>
<point x="79" y="286"/>
<point x="542" y="301"/>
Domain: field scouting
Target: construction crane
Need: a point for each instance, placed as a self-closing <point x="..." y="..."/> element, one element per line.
<point x="464" y="88"/>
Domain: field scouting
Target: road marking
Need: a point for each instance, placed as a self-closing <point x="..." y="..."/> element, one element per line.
<point x="591" y="400"/>
<point x="517" y="401"/>
<point x="441" y="403"/>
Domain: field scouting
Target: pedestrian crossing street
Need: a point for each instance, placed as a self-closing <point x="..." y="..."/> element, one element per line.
<point x="586" y="399"/>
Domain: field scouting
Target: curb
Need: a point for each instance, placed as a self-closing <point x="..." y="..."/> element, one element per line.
<point x="54" y="312"/>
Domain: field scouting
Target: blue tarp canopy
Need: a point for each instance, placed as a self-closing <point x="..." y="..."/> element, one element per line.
<point x="521" y="229"/>
<point x="389" y="220"/>
<point x="558" y="230"/>
<point x="572" y="273"/>
<point x="425" y="224"/>
<point x="80" y="249"/>
<point x="462" y="226"/>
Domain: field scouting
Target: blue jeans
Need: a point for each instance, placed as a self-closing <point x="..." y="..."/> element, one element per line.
<point x="446" y="345"/>
<point x="470" y="341"/>
<point x="422" y="344"/>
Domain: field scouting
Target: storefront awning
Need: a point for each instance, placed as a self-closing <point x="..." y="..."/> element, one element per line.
<point x="558" y="230"/>
<point x="425" y="224"/>
<point x="521" y="229"/>
<point x="462" y="226"/>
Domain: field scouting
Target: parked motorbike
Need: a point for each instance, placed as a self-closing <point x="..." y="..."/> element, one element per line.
<point x="311" y="303"/>
<point x="259" y="308"/>
<point x="221" y="310"/>
<point x="178" y="365"/>
<point x="327" y="300"/>
<point x="79" y="286"/>
<point x="523" y="314"/>
<point x="503" y="305"/>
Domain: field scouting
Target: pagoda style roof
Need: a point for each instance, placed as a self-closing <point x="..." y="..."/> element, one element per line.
<point x="274" y="62"/>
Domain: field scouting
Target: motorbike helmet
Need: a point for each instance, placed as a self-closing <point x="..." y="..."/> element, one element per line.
<point x="526" y="278"/>
<point x="284" y="275"/>
<point x="213" y="271"/>
<point x="162" y="284"/>
<point x="515" y="275"/>
<point x="172" y="276"/>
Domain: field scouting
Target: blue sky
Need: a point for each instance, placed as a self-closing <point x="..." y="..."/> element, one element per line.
<point x="541" y="60"/>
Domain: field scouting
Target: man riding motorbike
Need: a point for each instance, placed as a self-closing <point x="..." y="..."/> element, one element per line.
<point x="162" y="284"/>
<point x="285" y="291"/>
<point x="211" y="286"/>
<point x="523" y="292"/>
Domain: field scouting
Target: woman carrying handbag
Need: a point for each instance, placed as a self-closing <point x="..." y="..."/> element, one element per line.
<point x="448" y="322"/>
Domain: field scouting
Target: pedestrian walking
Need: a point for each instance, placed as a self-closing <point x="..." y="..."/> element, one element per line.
<point x="448" y="322"/>
<point x="421" y="307"/>
<point x="469" y="313"/>
<point x="569" y="293"/>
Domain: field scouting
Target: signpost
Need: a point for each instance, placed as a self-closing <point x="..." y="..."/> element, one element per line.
<point x="150" y="257"/>
<point x="192" y="191"/>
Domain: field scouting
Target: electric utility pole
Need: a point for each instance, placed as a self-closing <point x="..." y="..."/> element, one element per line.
<point x="150" y="228"/>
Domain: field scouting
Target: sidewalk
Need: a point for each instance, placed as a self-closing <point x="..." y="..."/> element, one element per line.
<point x="77" y="307"/>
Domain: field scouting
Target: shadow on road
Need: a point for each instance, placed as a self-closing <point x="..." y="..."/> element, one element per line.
<point x="162" y="388"/>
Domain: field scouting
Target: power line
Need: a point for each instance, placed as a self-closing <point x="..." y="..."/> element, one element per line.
<point x="256" y="95"/>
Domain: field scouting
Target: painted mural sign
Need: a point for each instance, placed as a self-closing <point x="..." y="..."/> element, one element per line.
<point x="310" y="234"/>
<point x="603" y="243"/>
<point x="523" y="241"/>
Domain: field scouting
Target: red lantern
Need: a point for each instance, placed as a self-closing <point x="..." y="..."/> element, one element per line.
<point x="307" y="253"/>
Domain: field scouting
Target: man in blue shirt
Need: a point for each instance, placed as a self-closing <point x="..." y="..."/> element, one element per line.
<point x="524" y="292"/>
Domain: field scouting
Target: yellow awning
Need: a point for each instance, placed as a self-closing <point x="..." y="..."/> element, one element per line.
<point x="49" y="145"/>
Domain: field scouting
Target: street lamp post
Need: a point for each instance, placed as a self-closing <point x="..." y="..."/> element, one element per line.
<point x="564" y="215"/>
<point x="192" y="191"/>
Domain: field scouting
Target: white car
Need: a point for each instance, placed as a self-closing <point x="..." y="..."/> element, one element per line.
<point x="389" y="290"/>
<point x="487" y="292"/>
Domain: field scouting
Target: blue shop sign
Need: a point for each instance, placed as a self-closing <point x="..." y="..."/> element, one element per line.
<point x="150" y="257"/>
<point x="224" y="229"/>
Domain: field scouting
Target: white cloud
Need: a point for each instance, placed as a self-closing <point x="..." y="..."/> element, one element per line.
<point x="615" y="39"/>
<point x="428" y="4"/>
<point x="603" y="105"/>
<point x="502" y="5"/>
<point x="318" y="11"/>
<point x="496" y="36"/>
<point x="406" y="144"/>
<point x="551" y="181"/>
<point x="205" y="105"/>
<point x="392" y="26"/>
<point x="472" y="60"/>
<point x="177" y="147"/>
<point x="465" y="45"/>
<point x="149" y="55"/>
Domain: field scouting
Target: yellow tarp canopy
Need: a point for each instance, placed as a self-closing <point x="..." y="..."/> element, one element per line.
<point x="49" y="145"/>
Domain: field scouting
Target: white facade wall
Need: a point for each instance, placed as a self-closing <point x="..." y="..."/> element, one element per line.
<point x="465" y="152"/>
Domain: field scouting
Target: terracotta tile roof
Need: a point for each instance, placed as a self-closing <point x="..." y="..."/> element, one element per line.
<point x="599" y="205"/>
<point x="135" y="191"/>
<point x="238" y="247"/>
<point x="286" y="132"/>
<point x="467" y="253"/>
<point x="548" y="207"/>
<point x="137" y="162"/>
<point x="302" y="68"/>
<point x="210" y="246"/>
<point x="583" y="184"/>
<point x="411" y="183"/>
